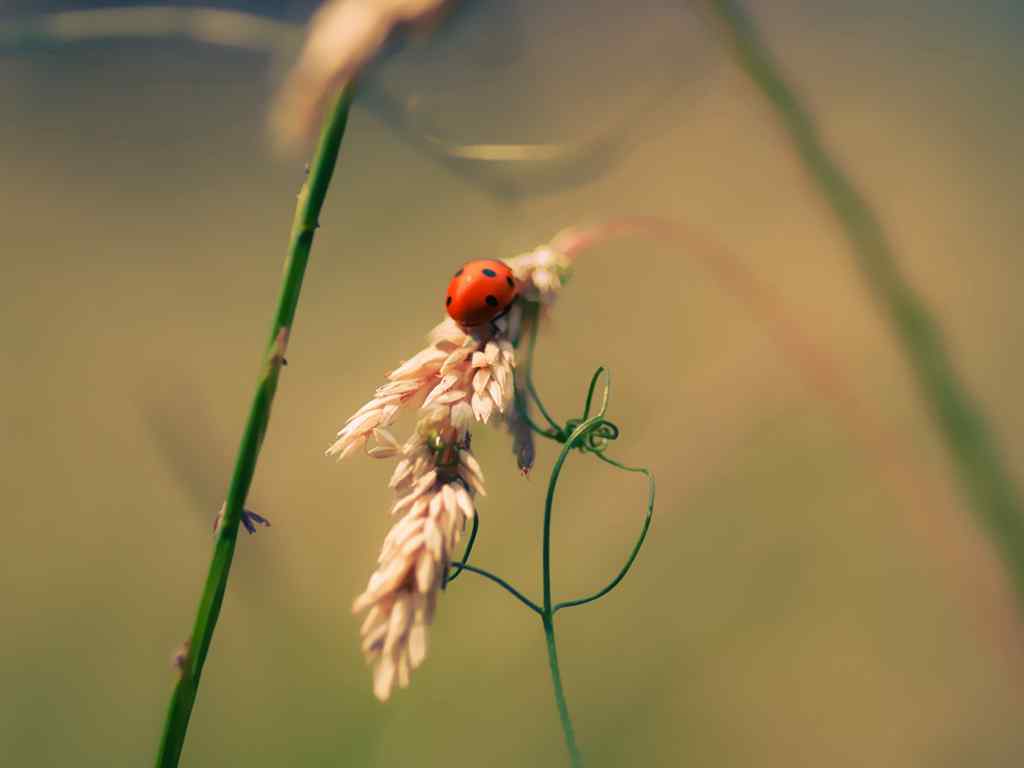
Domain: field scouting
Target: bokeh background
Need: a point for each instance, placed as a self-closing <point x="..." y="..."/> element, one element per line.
<point x="794" y="605"/>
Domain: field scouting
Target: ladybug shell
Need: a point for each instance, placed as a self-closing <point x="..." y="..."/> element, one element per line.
<point x="480" y="291"/>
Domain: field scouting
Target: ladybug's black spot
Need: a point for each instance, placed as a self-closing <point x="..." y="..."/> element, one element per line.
<point x="511" y="282"/>
<point x="490" y="273"/>
<point x="491" y="301"/>
<point x="459" y="272"/>
<point x="448" y="301"/>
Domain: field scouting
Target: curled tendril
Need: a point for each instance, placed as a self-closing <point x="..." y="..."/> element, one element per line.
<point x="595" y="437"/>
<point x="599" y="431"/>
<point x="587" y="434"/>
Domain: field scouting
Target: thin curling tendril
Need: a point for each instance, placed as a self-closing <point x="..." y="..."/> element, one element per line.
<point x="595" y="438"/>
<point x="587" y="434"/>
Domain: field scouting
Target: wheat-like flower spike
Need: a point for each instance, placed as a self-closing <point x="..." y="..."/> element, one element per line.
<point x="459" y="378"/>
<point x="435" y="482"/>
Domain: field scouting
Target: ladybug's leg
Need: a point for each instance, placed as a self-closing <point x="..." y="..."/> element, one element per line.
<point x="505" y="311"/>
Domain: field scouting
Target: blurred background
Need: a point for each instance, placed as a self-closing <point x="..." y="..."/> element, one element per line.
<point x="794" y="604"/>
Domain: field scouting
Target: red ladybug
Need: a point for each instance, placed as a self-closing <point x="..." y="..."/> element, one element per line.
<point x="481" y="292"/>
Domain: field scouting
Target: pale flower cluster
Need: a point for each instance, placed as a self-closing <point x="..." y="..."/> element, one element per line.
<point x="458" y="379"/>
<point x="541" y="273"/>
<point x="435" y="500"/>
<point x="458" y="375"/>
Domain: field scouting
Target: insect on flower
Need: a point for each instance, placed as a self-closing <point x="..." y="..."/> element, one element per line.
<point x="481" y="291"/>
<point x="464" y="376"/>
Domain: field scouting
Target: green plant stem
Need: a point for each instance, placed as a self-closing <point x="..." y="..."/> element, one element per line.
<point x="304" y="226"/>
<point x="548" y="614"/>
<point x="636" y="547"/>
<point x="556" y="680"/>
<point x="959" y="418"/>
<point x="461" y="565"/>
<point x="504" y="585"/>
<point x="589" y="434"/>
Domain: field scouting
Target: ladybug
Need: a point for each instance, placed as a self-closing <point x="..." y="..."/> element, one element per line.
<point x="480" y="292"/>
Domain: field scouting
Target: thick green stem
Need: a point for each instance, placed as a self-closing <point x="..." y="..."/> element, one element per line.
<point x="304" y="226"/>
<point x="958" y="416"/>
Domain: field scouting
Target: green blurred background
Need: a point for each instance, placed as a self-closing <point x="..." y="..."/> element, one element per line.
<point x="791" y="607"/>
